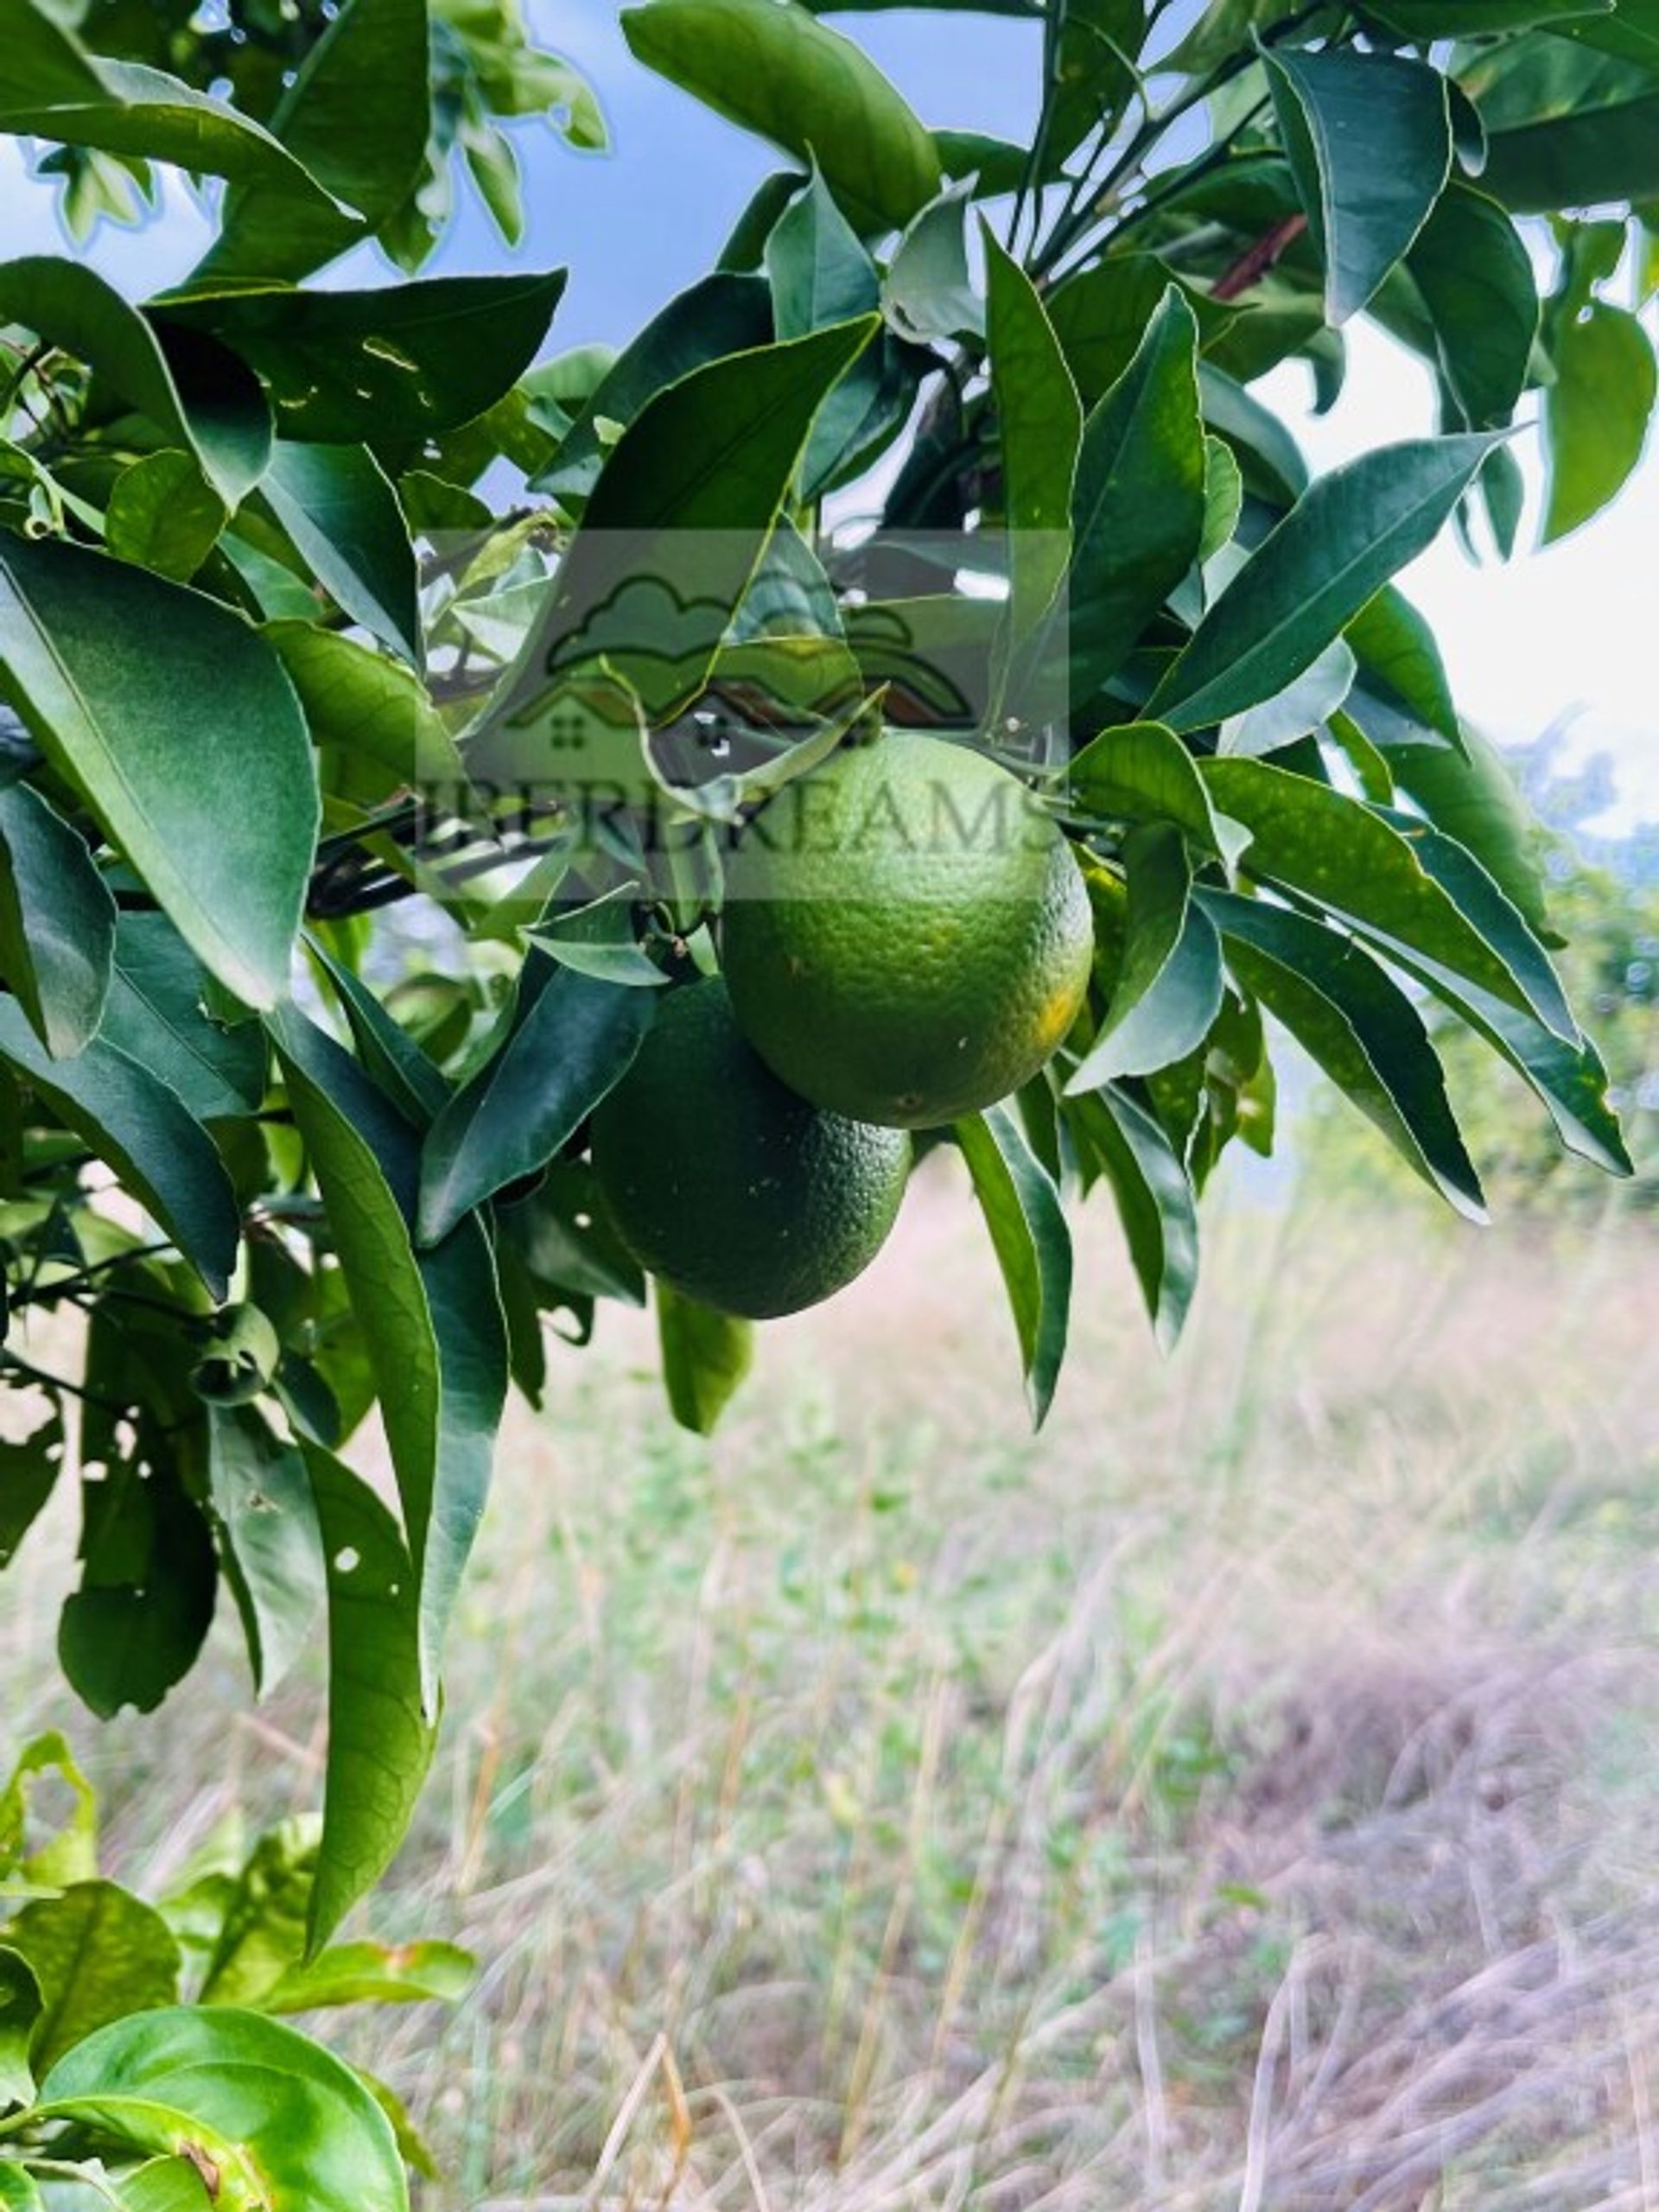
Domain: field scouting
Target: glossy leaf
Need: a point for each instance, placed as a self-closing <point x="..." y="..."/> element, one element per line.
<point x="97" y="1954"/>
<point x="1306" y="702"/>
<point x="1473" y="268"/>
<point x="1138" y="506"/>
<point x="200" y="399"/>
<point x="1316" y="841"/>
<point x="573" y="1041"/>
<point x="270" y="1545"/>
<point x="1370" y="141"/>
<point x="1359" y="1026"/>
<point x="1566" y="1072"/>
<point x="771" y="67"/>
<point x="1567" y="126"/>
<point x="380" y="1737"/>
<point x="1140" y="772"/>
<point x="1399" y="660"/>
<point x="431" y="1325"/>
<point x="1167" y="990"/>
<point x="927" y="293"/>
<point x="1154" y="1198"/>
<point x="1596" y="414"/>
<point x="1039" y="416"/>
<point x="821" y="274"/>
<point x="725" y="313"/>
<point x="705" y="1357"/>
<point x="1346" y="535"/>
<point x="158" y="1014"/>
<point x="57" y="922"/>
<point x="164" y="514"/>
<point x="166" y="2185"/>
<point x="219" y="815"/>
<point x="338" y="506"/>
<point x="372" y="715"/>
<point x="1032" y="1244"/>
<point x="54" y="89"/>
<point x="399" y="362"/>
<point x="358" y="115"/>
<point x="299" y="2131"/>
<point x="671" y="537"/>
<point x="1473" y="797"/>
<point x="129" y="1118"/>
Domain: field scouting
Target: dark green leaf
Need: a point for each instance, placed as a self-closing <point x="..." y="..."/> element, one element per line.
<point x="1370" y="141"/>
<point x="218" y="813"/>
<point x="671" y="537"/>
<point x="290" y="2128"/>
<point x="1323" y="846"/>
<point x="1567" y="126"/>
<point x="1399" y="659"/>
<point x="1041" y="420"/>
<point x="773" y="69"/>
<point x="822" y="273"/>
<point x="1032" y="1244"/>
<point x="270" y="1541"/>
<point x="56" y="89"/>
<point x="1137" y="509"/>
<point x="372" y="717"/>
<point x="57" y="922"/>
<point x="97" y="1954"/>
<point x="1424" y="21"/>
<point x="1359" y="1025"/>
<point x="380" y="1740"/>
<point x="1475" y="275"/>
<point x="1473" y="797"/>
<point x="725" y="313"/>
<point x="1596" y="413"/>
<point x="1154" y="1198"/>
<point x="20" y="2005"/>
<point x="210" y="406"/>
<point x="401" y="362"/>
<point x="573" y="1041"/>
<point x="30" y="1466"/>
<point x="158" y="1014"/>
<point x="1167" y="991"/>
<point x="129" y="1118"/>
<point x="431" y="1325"/>
<point x="357" y="116"/>
<point x="395" y="1060"/>
<point x="1140" y="772"/>
<point x="337" y="504"/>
<point x="705" y="1357"/>
<point x="1312" y="575"/>
<point x="1268" y="455"/>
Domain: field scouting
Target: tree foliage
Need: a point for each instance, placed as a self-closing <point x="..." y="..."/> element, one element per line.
<point x="310" y="597"/>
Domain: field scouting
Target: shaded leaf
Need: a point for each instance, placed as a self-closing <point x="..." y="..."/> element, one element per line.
<point x="1167" y="990"/>
<point x="1032" y="1244"/>
<point x="164" y="1158"/>
<point x="337" y="504"/>
<point x="399" y="362"/>
<point x="705" y="1357"/>
<point x="57" y="922"/>
<point x="1352" y="1019"/>
<point x="270" y="1545"/>
<point x="219" y="815"/>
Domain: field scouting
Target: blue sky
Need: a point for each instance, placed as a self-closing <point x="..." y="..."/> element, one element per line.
<point x="1564" y="631"/>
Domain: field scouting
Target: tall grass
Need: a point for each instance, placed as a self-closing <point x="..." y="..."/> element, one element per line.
<point x="1241" y="1797"/>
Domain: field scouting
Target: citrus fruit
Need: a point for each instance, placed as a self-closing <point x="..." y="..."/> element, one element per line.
<point x="907" y="937"/>
<point x="725" y="1182"/>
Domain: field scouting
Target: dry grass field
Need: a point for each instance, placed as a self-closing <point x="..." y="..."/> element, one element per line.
<point x="1243" y="1797"/>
